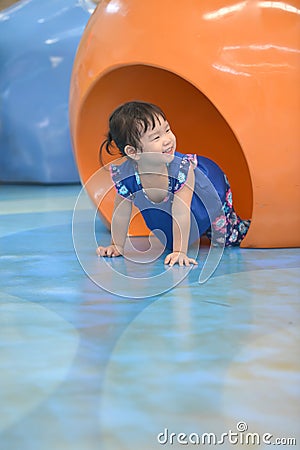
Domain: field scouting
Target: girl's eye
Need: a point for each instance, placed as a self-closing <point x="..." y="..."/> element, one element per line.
<point x="168" y="130"/>
<point x="156" y="138"/>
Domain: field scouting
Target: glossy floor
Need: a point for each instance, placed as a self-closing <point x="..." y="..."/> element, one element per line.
<point x="83" y="368"/>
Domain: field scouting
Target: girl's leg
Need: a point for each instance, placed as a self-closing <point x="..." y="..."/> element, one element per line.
<point x="229" y="229"/>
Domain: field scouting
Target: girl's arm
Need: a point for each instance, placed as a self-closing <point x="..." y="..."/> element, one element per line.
<point x="119" y="228"/>
<point x="181" y="213"/>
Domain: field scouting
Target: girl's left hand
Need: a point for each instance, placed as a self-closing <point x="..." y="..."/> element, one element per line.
<point x="179" y="258"/>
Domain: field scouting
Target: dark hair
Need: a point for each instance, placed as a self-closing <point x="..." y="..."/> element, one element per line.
<point x="127" y="124"/>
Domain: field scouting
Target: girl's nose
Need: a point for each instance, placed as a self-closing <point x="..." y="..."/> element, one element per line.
<point x="167" y="139"/>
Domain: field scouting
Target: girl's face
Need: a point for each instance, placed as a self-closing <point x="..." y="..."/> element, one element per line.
<point x="158" y="143"/>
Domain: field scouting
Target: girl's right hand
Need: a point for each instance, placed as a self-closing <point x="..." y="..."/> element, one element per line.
<point x="180" y="258"/>
<point x="110" y="251"/>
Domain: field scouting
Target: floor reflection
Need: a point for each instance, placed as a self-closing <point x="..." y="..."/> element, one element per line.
<point x="83" y="368"/>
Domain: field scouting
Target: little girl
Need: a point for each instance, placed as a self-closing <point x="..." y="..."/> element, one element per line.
<point x="181" y="196"/>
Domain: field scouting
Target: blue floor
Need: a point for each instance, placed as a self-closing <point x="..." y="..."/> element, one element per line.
<point x="119" y="354"/>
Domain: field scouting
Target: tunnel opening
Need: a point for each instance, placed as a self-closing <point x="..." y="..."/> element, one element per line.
<point x="199" y="127"/>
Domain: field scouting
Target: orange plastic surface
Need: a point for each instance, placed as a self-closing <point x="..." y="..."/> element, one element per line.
<point x="227" y="76"/>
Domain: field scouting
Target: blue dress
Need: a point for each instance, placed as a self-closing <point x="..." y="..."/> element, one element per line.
<point x="211" y="204"/>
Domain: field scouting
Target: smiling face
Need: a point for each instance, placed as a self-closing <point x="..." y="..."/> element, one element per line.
<point x="158" y="144"/>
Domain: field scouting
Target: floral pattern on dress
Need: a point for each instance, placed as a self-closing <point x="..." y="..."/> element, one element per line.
<point x="181" y="177"/>
<point x="119" y="182"/>
<point x="229" y="197"/>
<point x="220" y="224"/>
<point x="185" y="163"/>
<point x="123" y="190"/>
<point x="228" y="229"/>
<point x="137" y="177"/>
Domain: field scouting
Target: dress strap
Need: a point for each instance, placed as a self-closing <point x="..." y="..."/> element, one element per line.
<point x="181" y="171"/>
<point x="122" y="181"/>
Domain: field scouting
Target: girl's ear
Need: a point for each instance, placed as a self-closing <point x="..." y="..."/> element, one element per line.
<point x="132" y="152"/>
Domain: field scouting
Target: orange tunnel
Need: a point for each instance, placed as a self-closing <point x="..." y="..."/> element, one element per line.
<point x="227" y="78"/>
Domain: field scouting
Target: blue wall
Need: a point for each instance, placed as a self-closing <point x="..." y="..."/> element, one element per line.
<point x="38" y="42"/>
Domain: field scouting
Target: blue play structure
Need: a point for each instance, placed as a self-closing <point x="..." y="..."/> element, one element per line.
<point x="38" y="42"/>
